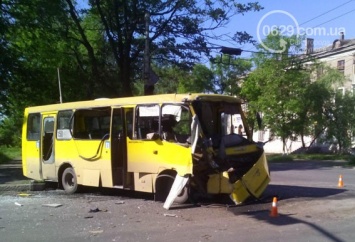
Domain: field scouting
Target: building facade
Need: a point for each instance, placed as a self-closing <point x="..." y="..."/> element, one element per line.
<point x="341" y="56"/>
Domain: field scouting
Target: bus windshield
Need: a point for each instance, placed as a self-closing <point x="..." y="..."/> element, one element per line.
<point x="220" y="118"/>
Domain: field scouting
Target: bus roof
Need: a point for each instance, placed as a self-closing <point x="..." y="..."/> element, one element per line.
<point x="124" y="101"/>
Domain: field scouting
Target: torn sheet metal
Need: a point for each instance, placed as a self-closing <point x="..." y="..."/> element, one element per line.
<point x="176" y="188"/>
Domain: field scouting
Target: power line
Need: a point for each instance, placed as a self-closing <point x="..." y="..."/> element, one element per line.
<point x="335" y="18"/>
<point x="322" y="14"/>
<point x="341" y="5"/>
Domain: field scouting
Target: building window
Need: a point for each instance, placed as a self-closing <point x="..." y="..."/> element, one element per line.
<point x="341" y="66"/>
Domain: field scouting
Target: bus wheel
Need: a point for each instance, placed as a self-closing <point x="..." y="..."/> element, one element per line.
<point x="163" y="185"/>
<point x="69" y="183"/>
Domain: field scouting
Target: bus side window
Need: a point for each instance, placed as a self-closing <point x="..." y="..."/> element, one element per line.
<point x="92" y="123"/>
<point x="176" y="120"/>
<point x="147" y="121"/>
<point x="63" y="128"/>
<point x="33" y="126"/>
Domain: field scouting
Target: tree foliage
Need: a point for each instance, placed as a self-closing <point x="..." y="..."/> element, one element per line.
<point x="229" y="72"/>
<point x="98" y="46"/>
<point x="293" y="101"/>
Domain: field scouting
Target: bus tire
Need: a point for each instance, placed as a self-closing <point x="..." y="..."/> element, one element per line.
<point x="69" y="182"/>
<point x="163" y="185"/>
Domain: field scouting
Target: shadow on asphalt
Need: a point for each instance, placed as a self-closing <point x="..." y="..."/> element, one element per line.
<point x="283" y="193"/>
<point x="288" y="219"/>
<point x="286" y="192"/>
<point x="260" y="209"/>
<point x="12" y="173"/>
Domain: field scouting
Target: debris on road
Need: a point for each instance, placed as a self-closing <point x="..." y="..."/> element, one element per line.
<point x="18" y="204"/>
<point x="24" y="194"/>
<point x="170" y="215"/>
<point x="53" y="205"/>
<point x="94" y="210"/>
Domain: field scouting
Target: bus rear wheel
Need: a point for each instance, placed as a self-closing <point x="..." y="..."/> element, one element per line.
<point x="164" y="182"/>
<point x="69" y="182"/>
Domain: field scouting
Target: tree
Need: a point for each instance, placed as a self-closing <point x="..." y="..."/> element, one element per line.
<point x="277" y="86"/>
<point x="341" y="118"/>
<point x="199" y="79"/>
<point x="293" y="100"/>
<point x="179" y="31"/>
<point x="229" y="73"/>
<point x="98" y="48"/>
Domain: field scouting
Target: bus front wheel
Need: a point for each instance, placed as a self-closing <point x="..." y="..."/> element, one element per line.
<point x="69" y="182"/>
<point x="163" y="185"/>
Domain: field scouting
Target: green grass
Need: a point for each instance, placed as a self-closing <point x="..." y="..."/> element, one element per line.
<point x="292" y="157"/>
<point x="9" y="153"/>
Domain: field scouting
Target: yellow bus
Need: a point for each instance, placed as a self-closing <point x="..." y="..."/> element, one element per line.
<point x="173" y="145"/>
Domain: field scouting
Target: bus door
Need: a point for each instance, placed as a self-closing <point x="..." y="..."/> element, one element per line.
<point x="118" y="147"/>
<point x="47" y="146"/>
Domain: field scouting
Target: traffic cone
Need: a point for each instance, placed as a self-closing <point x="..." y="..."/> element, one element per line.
<point x="340" y="183"/>
<point x="273" y="212"/>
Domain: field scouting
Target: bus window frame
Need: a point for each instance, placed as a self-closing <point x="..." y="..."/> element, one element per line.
<point x="33" y="136"/>
<point x="86" y="128"/>
<point x="149" y="121"/>
<point x="66" y="132"/>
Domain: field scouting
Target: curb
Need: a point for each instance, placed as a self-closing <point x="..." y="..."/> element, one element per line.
<point x="15" y="187"/>
<point x="24" y="187"/>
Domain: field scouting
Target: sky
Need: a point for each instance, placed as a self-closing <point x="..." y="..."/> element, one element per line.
<point x="322" y="20"/>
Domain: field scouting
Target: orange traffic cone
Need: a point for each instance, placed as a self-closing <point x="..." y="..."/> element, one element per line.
<point x="340" y="183"/>
<point x="273" y="212"/>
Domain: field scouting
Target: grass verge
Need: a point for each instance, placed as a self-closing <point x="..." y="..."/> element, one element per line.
<point x="9" y="153"/>
<point x="292" y="157"/>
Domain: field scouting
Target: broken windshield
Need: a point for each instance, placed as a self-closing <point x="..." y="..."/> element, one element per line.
<point x="219" y="118"/>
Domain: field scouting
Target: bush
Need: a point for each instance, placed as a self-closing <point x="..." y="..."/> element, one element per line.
<point x="292" y="157"/>
<point x="9" y="153"/>
<point x="10" y="132"/>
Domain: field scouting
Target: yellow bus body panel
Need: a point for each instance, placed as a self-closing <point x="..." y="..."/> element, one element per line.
<point x="78" y="154"/>
<point x="30" y="154"/>
<point x="253" y="183"/>
<point x="154" y="156"/>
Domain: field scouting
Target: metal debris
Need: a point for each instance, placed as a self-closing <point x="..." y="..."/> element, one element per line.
<point x="94" y="210"/>
<point x="53" y="205"/>
<point x="24" y="194"/>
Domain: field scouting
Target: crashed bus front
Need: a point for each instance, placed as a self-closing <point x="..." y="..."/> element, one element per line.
<point x="225" y="159"/>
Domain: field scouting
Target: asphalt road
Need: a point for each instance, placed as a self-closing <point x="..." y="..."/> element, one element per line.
<point x="311" y="207"/>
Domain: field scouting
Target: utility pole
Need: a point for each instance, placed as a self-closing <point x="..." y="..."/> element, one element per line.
<point x="60" y="87"/>
<point x="148" y="86"/>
